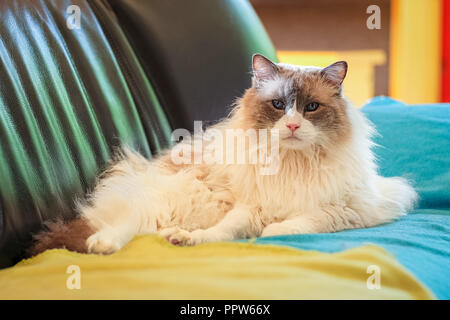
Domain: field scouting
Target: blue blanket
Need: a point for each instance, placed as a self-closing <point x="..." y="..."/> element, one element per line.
<point x="414" y="142"/>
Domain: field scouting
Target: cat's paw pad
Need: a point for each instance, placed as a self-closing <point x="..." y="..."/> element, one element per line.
<point x="103" y="242"/>
<point x="177" y="236"/>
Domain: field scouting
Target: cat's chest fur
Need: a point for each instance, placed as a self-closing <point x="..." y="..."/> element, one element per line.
<point x="297" y="188"/>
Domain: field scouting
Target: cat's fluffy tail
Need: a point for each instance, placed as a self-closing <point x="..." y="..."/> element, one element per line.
<point x="399" y="197"/>
<point x="58" y="234"/>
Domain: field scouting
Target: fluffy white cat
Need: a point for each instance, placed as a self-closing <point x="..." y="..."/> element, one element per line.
<point x="326" y="178"/>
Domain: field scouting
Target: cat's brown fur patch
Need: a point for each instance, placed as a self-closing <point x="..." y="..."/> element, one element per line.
<point x="256" y="113"/>
<point x="70" y="235"/>
<point x="331" y="117"/>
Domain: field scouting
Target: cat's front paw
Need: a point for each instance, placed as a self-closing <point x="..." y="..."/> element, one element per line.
<point x="179" y="237"/>
<point x="274" y="229"/>
<point x="103" y="242"/>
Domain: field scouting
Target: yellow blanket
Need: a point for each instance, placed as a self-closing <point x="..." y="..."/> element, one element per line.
<point x="150" y="268"/>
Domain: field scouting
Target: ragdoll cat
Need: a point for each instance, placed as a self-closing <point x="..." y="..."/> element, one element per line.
<point x="326" y="178"/>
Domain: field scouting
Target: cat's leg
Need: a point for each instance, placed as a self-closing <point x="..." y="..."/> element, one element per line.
<point x="240" y="222"/>
<point x="327" y="218"/>
<point x="121" y="206"/>
<point x="116" y="221"/>
<point x="387" y="200"/>
<point x="109" y="239"/>
<point x="295" y="225"/>
<point x="395" y="198"/>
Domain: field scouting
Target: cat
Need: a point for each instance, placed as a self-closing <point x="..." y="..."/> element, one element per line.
<point x="325" y="181"/>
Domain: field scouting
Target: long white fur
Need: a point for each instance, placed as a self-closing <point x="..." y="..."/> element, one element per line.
<point x="219" y="202"/>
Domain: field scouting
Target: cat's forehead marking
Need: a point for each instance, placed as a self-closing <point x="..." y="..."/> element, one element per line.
<point x="298" y="69"/>
<point x="290" y="112"/>
<point x="288" y="81"/>
<point x="278" y="87"/>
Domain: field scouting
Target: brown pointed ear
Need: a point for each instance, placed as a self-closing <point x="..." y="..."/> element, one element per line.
<point x="335" y="73"/>
<point x="263" y="68"/>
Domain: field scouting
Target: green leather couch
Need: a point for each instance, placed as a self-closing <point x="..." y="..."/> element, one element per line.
<point x="133" y="71"/>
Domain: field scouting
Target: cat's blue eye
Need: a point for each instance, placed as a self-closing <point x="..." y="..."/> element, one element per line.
<point x="311" y="107"/>
<point x="278" y="104"/>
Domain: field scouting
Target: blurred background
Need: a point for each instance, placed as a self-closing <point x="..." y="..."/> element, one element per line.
<point x="398" y="48"/>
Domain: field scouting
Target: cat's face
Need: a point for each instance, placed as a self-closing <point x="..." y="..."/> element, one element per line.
<point x="304" y="103"/>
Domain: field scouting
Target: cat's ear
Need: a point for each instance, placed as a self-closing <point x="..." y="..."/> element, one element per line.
<point x="335" y="73"/>
<point x="263" y="68"/>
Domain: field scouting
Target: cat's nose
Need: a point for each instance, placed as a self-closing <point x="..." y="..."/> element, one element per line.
<point x="293" y="126"/>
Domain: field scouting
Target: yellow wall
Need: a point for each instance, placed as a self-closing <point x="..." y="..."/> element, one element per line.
<point x="415" y="65"/>
<point x="360" y="81"/>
